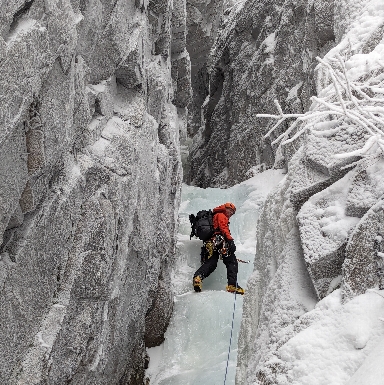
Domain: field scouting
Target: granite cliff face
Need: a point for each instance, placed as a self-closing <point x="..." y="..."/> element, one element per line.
<point x="92" y="97"/>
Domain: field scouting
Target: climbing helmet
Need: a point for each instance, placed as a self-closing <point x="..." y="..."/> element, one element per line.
<point x="231" y="206"/>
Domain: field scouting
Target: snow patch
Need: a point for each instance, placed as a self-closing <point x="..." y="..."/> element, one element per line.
<point x="292" y="94"/>
<point x="24" y="26"/>
<point x="270" y="43"/>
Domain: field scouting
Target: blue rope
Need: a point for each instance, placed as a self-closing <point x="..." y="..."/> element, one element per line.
<point x="230" y="340"/>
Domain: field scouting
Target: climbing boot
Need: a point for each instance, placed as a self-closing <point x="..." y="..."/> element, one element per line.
<point x="197" y="284"/>
<point x="235" y="289"/>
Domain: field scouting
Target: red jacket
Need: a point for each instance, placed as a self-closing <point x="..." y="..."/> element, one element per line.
<point x="221" y="222"/>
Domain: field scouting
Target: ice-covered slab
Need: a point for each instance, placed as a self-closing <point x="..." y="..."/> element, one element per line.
<point x="324" y="228"/>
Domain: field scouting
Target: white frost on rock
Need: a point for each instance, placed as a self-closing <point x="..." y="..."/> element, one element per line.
<point x="366" y="188"/>
<point x="324" y="229"/>
<point x="333" y="343"/>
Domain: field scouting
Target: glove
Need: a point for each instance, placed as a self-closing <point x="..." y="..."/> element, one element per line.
<point x="231" y="246"/>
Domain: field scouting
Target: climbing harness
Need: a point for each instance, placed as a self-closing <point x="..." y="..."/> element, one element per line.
<point x="230" y="339"/>
<point x="216" y="243"/>
<point x="209" y="247"/>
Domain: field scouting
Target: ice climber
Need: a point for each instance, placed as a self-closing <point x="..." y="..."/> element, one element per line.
<point x="220" y="246"/>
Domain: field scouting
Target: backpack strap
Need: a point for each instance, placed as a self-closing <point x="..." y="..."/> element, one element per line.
<point x="215" y="230"/>
<point x="192" y="219"/>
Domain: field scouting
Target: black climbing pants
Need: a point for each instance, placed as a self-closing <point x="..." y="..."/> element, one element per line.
<point x="210" y="265"/>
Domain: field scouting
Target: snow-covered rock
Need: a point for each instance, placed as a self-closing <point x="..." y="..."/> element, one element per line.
<point x="320" y="151"/>
<point x="324" y="229"/>
<point x="366" y="188"/>
<point x="278" y="293"/>
<point x="264" y="51"/>
<point x="307" y="180"/>
<point x="203" y="19"/>
<point x="363" y="267"/>
<point x="90" y="179"/>
<point x="327" y="216"/>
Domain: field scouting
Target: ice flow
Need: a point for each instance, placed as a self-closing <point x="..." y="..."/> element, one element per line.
<point x="196" y="346"/>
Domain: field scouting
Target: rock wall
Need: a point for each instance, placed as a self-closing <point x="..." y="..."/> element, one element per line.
<point x="321" y="230"/>
<point x="92" y="97"/>
<point x="203" y="18"/>
<point x="265" y="51"/>
<point x="203" y="23"/>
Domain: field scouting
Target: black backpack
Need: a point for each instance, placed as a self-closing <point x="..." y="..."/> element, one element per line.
<point x="202" y="225"/>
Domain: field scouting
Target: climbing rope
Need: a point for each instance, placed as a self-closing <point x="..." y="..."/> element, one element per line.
<point x="230" y="340"/>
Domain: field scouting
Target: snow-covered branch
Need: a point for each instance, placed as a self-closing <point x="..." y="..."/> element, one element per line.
<point x="344" y="104"/>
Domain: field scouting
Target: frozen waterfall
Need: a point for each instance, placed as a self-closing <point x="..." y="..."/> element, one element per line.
<point x="196" y="345"/>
